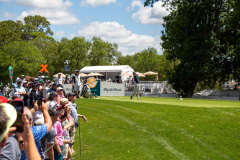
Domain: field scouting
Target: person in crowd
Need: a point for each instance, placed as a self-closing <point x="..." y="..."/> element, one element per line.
<point x="9" y="146"/>
<point x="16" y="96"/>
<point x="77" y="83"/>
<point x="22" y="78"/>
<point x="38" y="131"/>
<point x="40" y="89"/>
<point x="68" y="126"/>
<point x="59" y="136"/>
<point x="60" y="94"/>
<point x="53" y="97"/>
<point x="54" y="151"/>
<point x="41" y="75"/>
<point x="26" y="96"/>
<point x="20" y="142"/>
<point x="67" y="154"/>
<point x="20" y="89"/>
<point x="33" y="96"/>
<point x="60" y="80"/>
<point x="109" y="79"/>
<point x="46" y="87"/>
<point x="136" y="86"/>
<point x="54" y="88"/>
<point x="5" y="90"/>
<point x="72" y="98"/>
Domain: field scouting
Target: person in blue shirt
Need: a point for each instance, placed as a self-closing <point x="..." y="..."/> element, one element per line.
<point x="136" y="85"/>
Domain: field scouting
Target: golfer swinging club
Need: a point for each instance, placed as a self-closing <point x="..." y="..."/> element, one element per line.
<point x="136" y="85"/>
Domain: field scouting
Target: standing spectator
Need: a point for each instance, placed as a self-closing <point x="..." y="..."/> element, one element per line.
<point x="60" y="80"/>
<point x="60" y="94"/>
<point x="20" y="89"/>
<point x="46" y="88"/>
<point x="54" y="88"/>
<point x="5" y="90"/>
<point x="72" y="98"/>
<point x="26" y="96"/>
<point x="136" y="85"/>
<point x="77" y="83"/>
<point x="33" y="96"/>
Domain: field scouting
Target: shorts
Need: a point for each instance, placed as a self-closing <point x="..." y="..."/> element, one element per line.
<point x="72" y="134"/>
<point x="77" y="88"/>
<point x="65" y="150"/>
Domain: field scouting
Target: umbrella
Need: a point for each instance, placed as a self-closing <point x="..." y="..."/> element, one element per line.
<point x="83" y="75"/>
<point x="149" y="73"/>
<point x="94" y="74"/>
<point x="126" y="74"/>
<point x="62" y="75"/>
<point x="140" y="74"/>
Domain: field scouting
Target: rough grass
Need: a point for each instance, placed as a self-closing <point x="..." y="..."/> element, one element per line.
<point x="158" y="128"/>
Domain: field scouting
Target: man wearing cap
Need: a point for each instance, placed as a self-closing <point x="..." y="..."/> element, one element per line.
<point x="60" y="80"/>
<point x="77" y="83"/>
<point x="20" y="89"/>
<point x="22" y="78"/>
<point x="8" y="116"/>
<point x="54" y="88"/>
<point x="136" y="85"/>
<point x="74" y="115"/>
<point x="33" y="95"/>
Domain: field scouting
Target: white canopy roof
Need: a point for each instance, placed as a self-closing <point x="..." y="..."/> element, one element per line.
<point x="115" y="68"/>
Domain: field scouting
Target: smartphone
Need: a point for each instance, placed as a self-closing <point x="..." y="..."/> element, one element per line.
<point x="19" y="106"/>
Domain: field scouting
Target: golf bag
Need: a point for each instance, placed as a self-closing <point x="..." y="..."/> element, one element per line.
<point x="86" y="91"/>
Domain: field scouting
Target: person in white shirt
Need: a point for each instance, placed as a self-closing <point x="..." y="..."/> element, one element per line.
<point x="60" y="80"/>
<point x="5" y="90"/>
<point x="77" y="83"/>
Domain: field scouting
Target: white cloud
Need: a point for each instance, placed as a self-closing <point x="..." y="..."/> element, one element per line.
<point x="9" y="15"/>
<point x="60" y="34"/>
<point x="148" y="15"/>
<point x="56" y="11"/>
<point x="45" y="3"/>
<point x="95" y="3"/>
<point x="5" y="0"/>
<point x="113" y="32"/>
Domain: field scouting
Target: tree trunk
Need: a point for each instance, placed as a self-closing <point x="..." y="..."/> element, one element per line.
<point x="190" y="91"/>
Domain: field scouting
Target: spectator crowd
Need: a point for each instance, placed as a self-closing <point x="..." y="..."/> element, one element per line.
<point x="49" y="119"/>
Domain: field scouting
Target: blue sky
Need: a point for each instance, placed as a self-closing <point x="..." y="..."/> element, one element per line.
<point x="125" y="22"/>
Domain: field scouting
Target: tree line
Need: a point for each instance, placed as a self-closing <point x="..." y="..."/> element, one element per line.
<point x="204" y="37"/>
<point x="26" y="45"/>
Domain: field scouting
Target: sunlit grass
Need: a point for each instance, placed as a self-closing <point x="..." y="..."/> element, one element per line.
<point x="158" y="128"/>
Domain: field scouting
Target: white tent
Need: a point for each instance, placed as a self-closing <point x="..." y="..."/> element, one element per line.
<point x="109" y="71"/>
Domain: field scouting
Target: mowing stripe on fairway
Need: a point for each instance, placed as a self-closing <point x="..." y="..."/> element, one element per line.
<point x="166" y="123"/>
<point x="156" y="138"/>
<point x="177" y="102"/>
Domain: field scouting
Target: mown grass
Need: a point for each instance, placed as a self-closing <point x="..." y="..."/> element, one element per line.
<point x="158" y="128"/>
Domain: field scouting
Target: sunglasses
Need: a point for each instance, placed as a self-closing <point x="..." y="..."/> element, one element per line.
<point x="20" y="141"/>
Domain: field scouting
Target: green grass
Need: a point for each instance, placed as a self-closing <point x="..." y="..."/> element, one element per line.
<point x="158" y="128"/>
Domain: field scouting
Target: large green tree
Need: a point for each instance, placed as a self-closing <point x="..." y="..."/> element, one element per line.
<point x="24" y="57"/>
<point x="103" y="53"/>
<point x="194" y="34"/>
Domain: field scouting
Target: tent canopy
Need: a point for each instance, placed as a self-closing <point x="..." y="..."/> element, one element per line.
<point x="115" y="68"/>
<point x="112" y="71"/>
